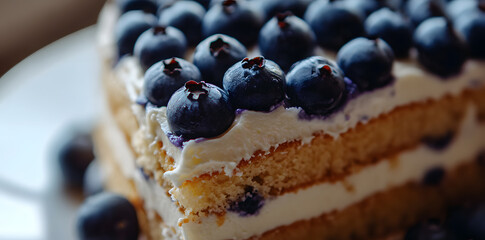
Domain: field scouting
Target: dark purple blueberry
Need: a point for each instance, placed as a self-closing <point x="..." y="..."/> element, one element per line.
<point x="439" y="143"/>
<point x="249" y="204"/>
<point x="255" y="84"/>
<point x="363" y="8"/>
<point x="420" y="10"/>
<point x="367" y="62"/>
<point x="149" y="6"/>
<point x="286" y="39"/>
<point x="316" y="85"/>
<point x="74" y="157"/>
<point x="429" y="230"/>
<point x="199" y="110"/>
<point x="392" y="28"/>
<point x="162" y="79"/>
<point x="93" y="179"/>
<point x="159" y="43"/>
<point x="440" y="49"/>
<point x="472" y="27"/>
<point x="186" y="16"/>
<point x="129" y="27"/>
<point x="215" y="55"/>
<point x="271" y="7"/>
<point x="333" y="24"/>
<point x="458" y="8"/>
<point x="107" y="216"/>
<point x="234" y="18"/>
<point x="434" y="176"/>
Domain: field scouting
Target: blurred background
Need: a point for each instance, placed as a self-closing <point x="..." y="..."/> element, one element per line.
<point x="28" y="25"/>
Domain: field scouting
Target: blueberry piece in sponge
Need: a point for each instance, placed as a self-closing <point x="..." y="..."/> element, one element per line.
<point x="199" y="110"/>
<point x="159" y="43"/>
<point x="440" y="49"/>
<point x="392" y="28"/>
<point x="107" y="216"/>
<point x="144" y="5"/>
<point x="215" y="55"/>
<point x="472" y="27"/>
<point x="255" y="84"/>
<point x="333" y="24"/>
<point x="163" y="78"/>
<point x="316" y="85"/>
<point x="129" y="27"/>
<point x="367" y="62"/>
<point x="74" y="157"/>
<point x="286" y="39"/>
<point x="234" y="18"/>
<point x="186" y="16"/>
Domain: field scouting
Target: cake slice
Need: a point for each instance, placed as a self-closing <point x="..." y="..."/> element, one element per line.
<point x="378" y="151"/>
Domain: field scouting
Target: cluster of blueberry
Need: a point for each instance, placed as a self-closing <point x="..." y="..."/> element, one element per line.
<point x="103" y="215"/>
<point x="287" y="41"/>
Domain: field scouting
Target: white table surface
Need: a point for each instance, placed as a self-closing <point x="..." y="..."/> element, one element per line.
<point x="49" y="92"/>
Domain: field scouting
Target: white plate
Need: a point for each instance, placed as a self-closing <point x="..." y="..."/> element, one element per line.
<point x="53" y="89"/>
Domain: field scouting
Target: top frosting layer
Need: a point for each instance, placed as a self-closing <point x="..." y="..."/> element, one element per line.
<point x="253" y="131"/>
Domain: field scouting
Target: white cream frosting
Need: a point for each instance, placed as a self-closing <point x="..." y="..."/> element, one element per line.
<point x="409" y="166"/>
<point x="253" y="131"/>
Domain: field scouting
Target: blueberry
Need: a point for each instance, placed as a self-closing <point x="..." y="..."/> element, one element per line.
<point x="215" y="55"/>
<point x="129" y="27"/>
<point x="149" y="6"/>
<point x="272" y="7"/>
<point x="186" y="16"/>
<point x="107" y="216"/>
<point x="249" y="204"/>
<point x="256" y="84"/>
<point x="159" y="43"/>
<point x="472" y="27"/>
<point x="429" y="230"/>
<point x="234" y="18"/>
<point x="457" y="8"/>
<point x="199" y="110"/>
<point x="392" y="28"/>
<point x="368" y="63"/>
<point x="420" y="10"/>
<point x="440" y="49"/>
<point x="333" y="24"/>
<point x="434" y="176"/>
<point x="74" y="157"/>
<point x="363" y="8"/>
<point x="286" y="39"/>
<point x="93" y="179"/>
<point x="162" y="79"/>
<point x="316" y="85"/>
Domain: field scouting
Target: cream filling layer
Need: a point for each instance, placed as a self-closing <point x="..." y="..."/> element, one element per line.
<point x="409" y="166"/>
<point x="253" y="131"/>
